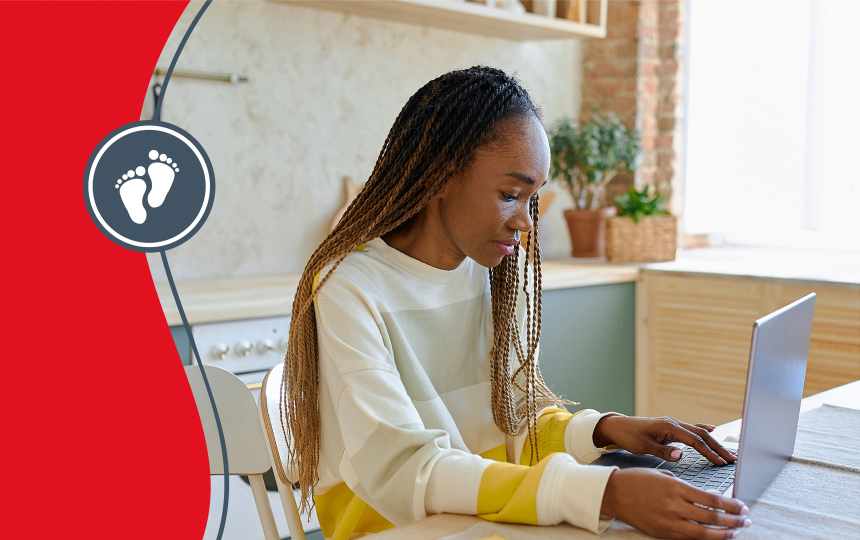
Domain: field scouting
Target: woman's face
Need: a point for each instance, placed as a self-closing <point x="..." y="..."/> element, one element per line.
<point x="484" y="209"/>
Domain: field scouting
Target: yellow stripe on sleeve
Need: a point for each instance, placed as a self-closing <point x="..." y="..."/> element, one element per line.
<point x="508" y="492"/>
<point x="498" y="453"/>
<point x="315" y="284"/>
<point x="342" y="513"/>
<point x="551" y="428"/>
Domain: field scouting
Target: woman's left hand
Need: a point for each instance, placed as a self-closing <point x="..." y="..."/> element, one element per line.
<point x="640" y="435"/>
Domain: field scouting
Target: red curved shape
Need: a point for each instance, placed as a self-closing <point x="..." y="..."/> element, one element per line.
<point x="100" y="435"/>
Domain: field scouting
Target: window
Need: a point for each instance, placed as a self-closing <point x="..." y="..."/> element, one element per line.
<point x="773" y="122"/>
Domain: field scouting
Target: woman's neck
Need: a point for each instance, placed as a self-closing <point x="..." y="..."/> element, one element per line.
<point x="423" y="238"/>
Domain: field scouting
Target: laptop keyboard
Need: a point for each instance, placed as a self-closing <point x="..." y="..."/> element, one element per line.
<point x="696" y="470"/>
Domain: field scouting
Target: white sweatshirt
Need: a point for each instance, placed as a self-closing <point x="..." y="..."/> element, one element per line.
<point x="405" y="406"/>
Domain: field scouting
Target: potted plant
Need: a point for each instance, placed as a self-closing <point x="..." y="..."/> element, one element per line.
<point x="643" y="231"/>
<point x="585" y="159"/>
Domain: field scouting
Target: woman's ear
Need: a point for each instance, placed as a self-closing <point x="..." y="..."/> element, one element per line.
<point x="444" y="191"/>
<point x="446" y="188"/>
<point x="453" y="175"/>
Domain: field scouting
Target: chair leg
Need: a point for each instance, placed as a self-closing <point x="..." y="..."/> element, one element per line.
<point x="261" y="499"/>
<point x="291" y="510"/>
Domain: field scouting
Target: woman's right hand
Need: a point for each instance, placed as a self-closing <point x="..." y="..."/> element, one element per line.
<point x="659" y="504"/>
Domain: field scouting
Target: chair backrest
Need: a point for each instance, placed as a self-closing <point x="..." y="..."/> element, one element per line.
<point x="285" y="475"/>
<point x="246" y="449"/>
<point x="270" y="403"/>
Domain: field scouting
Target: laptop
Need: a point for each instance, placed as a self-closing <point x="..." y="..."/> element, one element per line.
<point x="777" y="369"/>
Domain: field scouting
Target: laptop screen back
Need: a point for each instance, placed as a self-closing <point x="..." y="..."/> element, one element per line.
<point x="780" y="346"/>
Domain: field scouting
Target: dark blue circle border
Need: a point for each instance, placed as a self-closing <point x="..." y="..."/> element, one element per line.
<point x="198" y="147"/>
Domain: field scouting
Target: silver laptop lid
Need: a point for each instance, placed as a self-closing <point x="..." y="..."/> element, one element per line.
<point x="777" y="368"/>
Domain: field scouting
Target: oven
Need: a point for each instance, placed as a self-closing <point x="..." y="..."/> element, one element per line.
<point x="249" y="349"/>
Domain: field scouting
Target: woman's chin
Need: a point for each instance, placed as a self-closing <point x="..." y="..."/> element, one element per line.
<point x="489" y="261"/>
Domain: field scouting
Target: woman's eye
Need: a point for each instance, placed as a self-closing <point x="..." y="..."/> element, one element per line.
<point x="509" y="197"/>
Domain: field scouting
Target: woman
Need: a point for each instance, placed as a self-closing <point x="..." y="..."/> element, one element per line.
<point x="412" y="378"/>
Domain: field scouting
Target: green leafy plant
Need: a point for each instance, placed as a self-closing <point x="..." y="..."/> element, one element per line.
<point x="587" y="158"/>
<point x="636" y="204"/>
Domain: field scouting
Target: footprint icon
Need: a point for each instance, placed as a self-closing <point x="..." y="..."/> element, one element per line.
<point x="161" y="173"/>
<point x="132" y="187"/>
<point x="131" y="192"/>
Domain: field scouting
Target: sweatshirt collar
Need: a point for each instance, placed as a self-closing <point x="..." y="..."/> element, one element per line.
<point x="415" y="267"/>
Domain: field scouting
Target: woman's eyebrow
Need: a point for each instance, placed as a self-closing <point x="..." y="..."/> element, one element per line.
<point x="525" y="178"/>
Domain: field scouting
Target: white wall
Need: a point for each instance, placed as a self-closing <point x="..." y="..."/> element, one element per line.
<point x="324" y="89"/>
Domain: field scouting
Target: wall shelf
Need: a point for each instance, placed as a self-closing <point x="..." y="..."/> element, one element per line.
<point x="480" y="19"/>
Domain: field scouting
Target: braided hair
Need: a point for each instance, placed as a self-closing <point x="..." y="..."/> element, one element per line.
<point x="433" y="138"/>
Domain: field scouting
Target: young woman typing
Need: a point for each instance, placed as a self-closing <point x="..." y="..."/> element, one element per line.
<point x="413" y="348"/>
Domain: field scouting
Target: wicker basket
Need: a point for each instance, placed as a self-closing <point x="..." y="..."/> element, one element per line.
<point x="653" y="239"/>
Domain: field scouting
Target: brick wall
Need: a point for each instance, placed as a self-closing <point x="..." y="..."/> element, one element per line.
<point x="669" y="176"/>
<point x="637" y="71"/>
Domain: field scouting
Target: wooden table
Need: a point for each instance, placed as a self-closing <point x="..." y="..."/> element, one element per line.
<point x="434" y="527"/>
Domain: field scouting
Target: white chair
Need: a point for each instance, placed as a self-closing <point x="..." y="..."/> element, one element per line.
<point x="246" y="445"/>
<point x="285" y="476"/>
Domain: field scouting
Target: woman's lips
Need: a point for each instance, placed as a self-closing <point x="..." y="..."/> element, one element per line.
<point x="507" y="247"/>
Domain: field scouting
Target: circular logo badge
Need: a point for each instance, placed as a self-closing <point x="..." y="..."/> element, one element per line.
<point x="149" y="186"/>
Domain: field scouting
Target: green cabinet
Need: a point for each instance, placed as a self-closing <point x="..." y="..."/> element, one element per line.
<point x="587" y="346"/>
<point x="183" y="344"/>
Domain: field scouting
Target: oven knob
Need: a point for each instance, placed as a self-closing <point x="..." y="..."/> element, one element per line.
<point x="219" y="351"/>
<point x="244" y="347"/>
<point x="265" y="346"/>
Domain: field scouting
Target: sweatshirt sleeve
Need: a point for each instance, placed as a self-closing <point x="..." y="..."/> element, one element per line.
<point x="558" y="488"/>
<point x="561" y="431"/>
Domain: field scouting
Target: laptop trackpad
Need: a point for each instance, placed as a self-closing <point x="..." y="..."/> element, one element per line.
<point x="624" y="459"/>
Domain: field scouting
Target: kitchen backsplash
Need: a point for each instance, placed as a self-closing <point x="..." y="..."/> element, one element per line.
<point x="324" y="88"/>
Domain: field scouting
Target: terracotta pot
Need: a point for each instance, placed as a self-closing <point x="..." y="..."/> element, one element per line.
<point x="588" y="230"/>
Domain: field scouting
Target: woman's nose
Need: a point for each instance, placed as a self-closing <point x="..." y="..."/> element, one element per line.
<point x="522" y="220"/>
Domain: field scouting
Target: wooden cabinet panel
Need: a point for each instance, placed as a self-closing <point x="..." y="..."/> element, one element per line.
<point x="694" y="334"/>
<point x="834" y="350"/>
<point x="699" y="334"/>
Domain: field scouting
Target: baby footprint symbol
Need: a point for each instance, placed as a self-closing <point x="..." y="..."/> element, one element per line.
<point x="131" y="192"/>
<point x="161" y="173"/>
<point x="131" y="187"/>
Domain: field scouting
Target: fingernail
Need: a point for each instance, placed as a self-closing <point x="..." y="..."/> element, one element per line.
<point x="747" y="523"/>
<point x="735" y="534"/>
<point x="676" y="454"/>
<point x="745" y="511"/>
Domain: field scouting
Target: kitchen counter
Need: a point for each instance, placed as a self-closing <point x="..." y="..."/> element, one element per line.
<point x="694" y="321"/>
<point x="272" y="296"/>
<point x="229" y="299"/>
<point x="601" y="319"/>
<point x="790" y="267"/>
